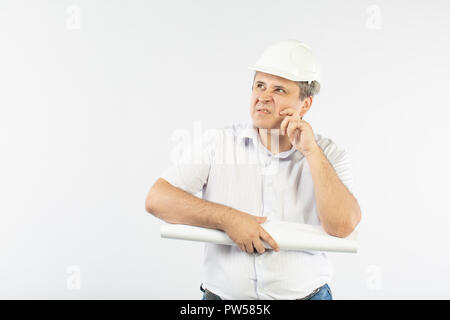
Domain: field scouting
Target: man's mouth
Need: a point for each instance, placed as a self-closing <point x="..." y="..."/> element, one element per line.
<point x="263" y="110"/>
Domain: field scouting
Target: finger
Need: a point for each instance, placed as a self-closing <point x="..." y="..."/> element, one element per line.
<point x="242" y="247"/>
<point x="249" y="247"/>
<point x="288" y="112"/>
<point x="293" y="126"/>
<point x="302" y="125"/>
<point x="261" y="219"/>
<point x="284" y="124"/>
<point x="268" y="238"/>
<point x="258" y="219"/>
<point x="258" y="245"/>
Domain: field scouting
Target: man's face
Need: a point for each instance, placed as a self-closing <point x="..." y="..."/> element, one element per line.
<point x="274" y="94"/>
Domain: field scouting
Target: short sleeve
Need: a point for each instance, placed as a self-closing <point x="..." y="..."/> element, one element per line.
<point x="191" y="161"/>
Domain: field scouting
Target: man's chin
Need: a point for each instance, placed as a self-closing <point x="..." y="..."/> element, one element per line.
<point x="261" y="124"/>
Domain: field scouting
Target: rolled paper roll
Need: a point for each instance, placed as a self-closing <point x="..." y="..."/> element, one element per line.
<point x="288" y="235"/>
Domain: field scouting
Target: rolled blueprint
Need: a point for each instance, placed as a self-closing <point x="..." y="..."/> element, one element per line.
<point x="288" y="235"/>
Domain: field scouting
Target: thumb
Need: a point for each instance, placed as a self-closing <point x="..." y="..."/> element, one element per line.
<point x="261" y="219"/>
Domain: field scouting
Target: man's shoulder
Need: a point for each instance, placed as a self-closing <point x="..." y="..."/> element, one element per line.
<point x="324" y="141"/>
<point x="330" y="148"/>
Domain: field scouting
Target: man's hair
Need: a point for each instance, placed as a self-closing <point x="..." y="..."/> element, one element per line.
<point x="306" y="90"/>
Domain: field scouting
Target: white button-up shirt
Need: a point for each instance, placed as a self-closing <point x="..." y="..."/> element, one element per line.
<point x="232" y="167"/>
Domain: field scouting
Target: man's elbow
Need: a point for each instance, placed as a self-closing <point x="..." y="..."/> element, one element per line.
<point x="155" y="197"/>
<point x="148" y="204"/>
<point x="344" y="229"/>
<point x="150" y="200"/>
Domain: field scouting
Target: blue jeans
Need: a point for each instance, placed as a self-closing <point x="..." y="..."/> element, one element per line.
<point x="323" y="294"/>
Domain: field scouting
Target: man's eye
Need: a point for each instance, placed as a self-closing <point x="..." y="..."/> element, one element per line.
<point x="259" y="85"/>
<point x="281" y="90"/>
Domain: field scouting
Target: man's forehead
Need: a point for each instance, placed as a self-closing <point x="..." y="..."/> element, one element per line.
<point x="270" y="78"/>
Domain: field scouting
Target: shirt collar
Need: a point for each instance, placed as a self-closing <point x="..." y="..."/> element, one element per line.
<point x="250" y="133"/>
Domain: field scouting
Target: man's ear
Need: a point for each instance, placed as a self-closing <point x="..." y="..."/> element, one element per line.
<point x="306" y="105"/>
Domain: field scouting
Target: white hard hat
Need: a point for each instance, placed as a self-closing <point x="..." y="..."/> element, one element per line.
<point x="289" y="59"/>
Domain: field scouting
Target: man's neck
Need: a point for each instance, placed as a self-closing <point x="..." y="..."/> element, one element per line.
<point x="269" y="139"/>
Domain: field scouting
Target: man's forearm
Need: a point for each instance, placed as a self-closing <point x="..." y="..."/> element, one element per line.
<point x="338" y="209"/>
<point x="174" y="205"/>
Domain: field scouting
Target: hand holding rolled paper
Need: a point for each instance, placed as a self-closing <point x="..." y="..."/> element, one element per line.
<point x="246" y="232"/>
<point x="288" y="236"/>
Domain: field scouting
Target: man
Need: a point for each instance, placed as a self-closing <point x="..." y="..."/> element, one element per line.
<point x="298" y="176"/>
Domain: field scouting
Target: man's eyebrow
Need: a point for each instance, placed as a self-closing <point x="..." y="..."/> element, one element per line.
<point x="276" y="86"/>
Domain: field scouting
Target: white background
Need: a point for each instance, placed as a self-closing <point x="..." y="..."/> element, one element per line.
<point x="91" y="92"/>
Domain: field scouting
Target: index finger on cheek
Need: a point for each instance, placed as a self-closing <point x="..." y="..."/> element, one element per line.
<point x="287" y="111"/>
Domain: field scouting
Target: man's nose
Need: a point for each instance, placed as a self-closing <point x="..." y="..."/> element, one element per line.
<point x="264" y="97"/>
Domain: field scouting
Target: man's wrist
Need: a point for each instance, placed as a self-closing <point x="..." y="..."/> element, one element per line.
<point x="312" y="152"/>
<point x="224" y="217"/>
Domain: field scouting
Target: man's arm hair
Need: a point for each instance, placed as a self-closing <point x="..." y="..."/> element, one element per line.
<point x="174" y="205"/>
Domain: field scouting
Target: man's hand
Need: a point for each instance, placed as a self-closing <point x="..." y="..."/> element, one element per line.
<point x="245" y="230"/>
<point x="299" y="131"/>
